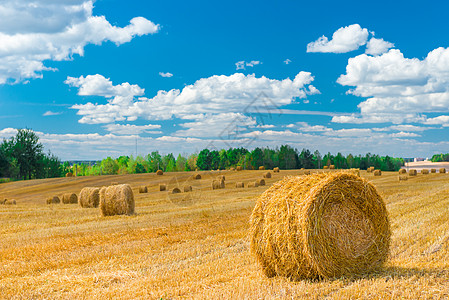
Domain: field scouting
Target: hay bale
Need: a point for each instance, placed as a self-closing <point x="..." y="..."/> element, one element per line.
<point x="69" y="174"/>
<point x="239" y="184"/>
<point x="9" y="202"/>
<point x="232" y="169"/>
<point x="370" y="170"/>
<point x="267" y="175"/>
<point x="89" y="197"/>
<point x="412" y="172"/>
<point x="114" y="183"/>
<point x="331" y="167"/>
<point x="433" y="170"/>
<point x="159" y="172"/>
<point x="322" y="225"/>
<point x="261" y="182"/>
<point x="377" y="172"/>
<point x="69" y="198"/>
<point x="221" y="177"/>
<point x="442" y="170"/>
<point x="276" y="170"/>
<point x="187" y="188"/>
<point x="306" y="172"/>
<point x="262" y="168"/>
<point x="325" y="167"/>
<point x="197" y="176"/>
<point x="162" y="187"/>
<point x="402" y="171"/>
<point x="239" y="168"/>
<point x="117" y="200"/>
<point x="143" y="190"/>
<point x="176" y="190"/>
<point x="53" y="200"/>
<point x="253" y="184"/>
<point x="403" y="177"/>
<point x="218" y="184"/>
<point x="425" y="171"/>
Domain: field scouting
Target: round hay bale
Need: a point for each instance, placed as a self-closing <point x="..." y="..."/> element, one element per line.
<point x="433" y="170"/>
<point x="402" y="171"/>
<point x="322" y="225"/>
<point x="89" y="197"/>
<point x="162" y="187"/>
<point x="197" y="176"/>
<point x="262" y="168"/>
<point x="3" y="201"/>
<point x="143" y="190"/>
<point x="370" y="169"/>
<point x="331" y="167"/>
<point x="412" y="172"/>
<point x="239" y="168"/>
<point x="176" y="190"/>
<point x="261" y="182"/>
<point x="221" y="177"/>
<point x="267" y="175"/>
<point x="239" y="185"/>
<point x="53" y="200"/>
<point x="403" y="177"/>
<point x="69" y="198"/>
<point x="187" y="188"/>
<point x="377" y="172"/>
<point x="117" y="200"/>
<point x="276" y="170"/>
<point x="69" y="174"/>
<point x="232" y="169"/>
<point x="325" y="167"/>
<point x="425" y="171"/>
<point x="159" y="172"/>
<point x="253" y="184"/>
<point x="306" y="172"/>
<point x="10" y="202"/>
<point x="218" y="184"/>
<point x="442" y="170"/>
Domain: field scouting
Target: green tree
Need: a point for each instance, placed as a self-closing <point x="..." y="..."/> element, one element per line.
<point x="204" y="160"/>
<point x="181" y="163"/>
<point x="109" y="166"/>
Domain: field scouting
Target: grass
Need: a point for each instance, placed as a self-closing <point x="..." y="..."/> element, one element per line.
<point x="197" y="247"/>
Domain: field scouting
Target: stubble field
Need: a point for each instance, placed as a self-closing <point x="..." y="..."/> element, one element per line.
<point x="196" y="245"/>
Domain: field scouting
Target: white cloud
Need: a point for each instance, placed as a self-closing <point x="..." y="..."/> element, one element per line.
<point x="403" y="134"/>
<point x="166" y="75"/>
<point x="440" y="120"/>
<point x="241" y="65"/>
<point x="236" y="93"/>
<point x="344" y="40"/>
<point x="287" y="61"/>
<point x="33" y="32"/>
<point x="305" y="127"/>
<point x="51" y="113"/>
<point x="377" y="46"/>
<point x="132" y="129"/>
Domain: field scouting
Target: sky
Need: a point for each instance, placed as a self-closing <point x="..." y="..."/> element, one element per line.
<point x="107" y="78"/>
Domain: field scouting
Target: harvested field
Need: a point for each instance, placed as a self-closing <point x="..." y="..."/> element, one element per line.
<point x="201" y="251"/>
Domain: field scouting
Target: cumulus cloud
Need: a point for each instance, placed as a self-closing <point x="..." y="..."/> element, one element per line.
<point x="33" y="32"/>
<point x="343" y="40"/>
<point x="166" y="75"/>
<point x="217" y="94"/>
<point x="398" y="89"/>
<point x="132" y="129"/>
<point x="377" y="46"/>
<point x="51" y="113"/>
<point x="241" y="65"/>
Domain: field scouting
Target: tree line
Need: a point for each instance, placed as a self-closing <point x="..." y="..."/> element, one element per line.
<point x="22" y="157"/>
<point x="440" y="157"/>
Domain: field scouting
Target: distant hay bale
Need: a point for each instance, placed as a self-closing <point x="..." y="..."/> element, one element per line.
<point x="89" y="197"/>
<point x="262" y="168"/>
<point x="370" y="169"/>
<point x="176" y="190"/>
<point x="261" y="182"/>
<point x="232" y="169"/>
<point x="10" y="202"/>
<point x="53" y="200"/>
<point x="117" y="200"/>
<point x="69" y="198"/>
<point x="267" y="175"/>
<point x="306" y="172"/>
<point x="325" y="167"/>
<point x="276" y="170"/>
<point x="159" y="172"/>
<point x="412" y="172"/>
<point x="433" y="170"/>
<point x="239" y="185"/>
<point x="253" y="184"/>
<point x="162" y="187"/>
<point x="221" y="177"/>
<point x="69" y="174"/>
<point x="187" y="188"/>
<point x="239" y="168"/>
<point x="377" y="172"/>
<point x="402" y="171"/>
<point x="218" y="184"/>
<point x="425" y="171"/>
<point x="442" y="170"/>
<point x="114" y="183"/>
<point x="143" y="190"/>
<point x="197" y="176"/>
<point x="331" y="167"/>
<point x="402" y="177"/>
<point x="322" y="225"/>
<point x="3" y="201"/>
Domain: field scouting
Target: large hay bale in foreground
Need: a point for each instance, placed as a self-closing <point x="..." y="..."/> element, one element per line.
<point x="425" y="171"/>
<point x="322" y="225"/>
<point x="442" y="170"/>
<point x="377" y="172"/>
<point x="143" y="189"/>
<point x="197" y="176"/>
<point x="239" y="184"/>
<point x="159" y="172"/>
<point x="402" y="177"/>
<point x="276" y="170"/>
<point x="262" y="168"/>
<point x="412" y="172"/>
<point x="332" y="167"/>
<point x="162" y="187"/>
<point x="69" y="198"/>
<point x="89" y="197"/>
<point x="10" y="202"/>
<point x="239" y="168"/>
<point x="433" y="170"/>
<point x="117" y="200"/>
<point x="53" y="200"/>
<point x="267" y="175"/>
<point x="402" y="171"/>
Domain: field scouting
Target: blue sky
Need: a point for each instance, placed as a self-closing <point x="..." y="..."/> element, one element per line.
<point x="94" y="78"/>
